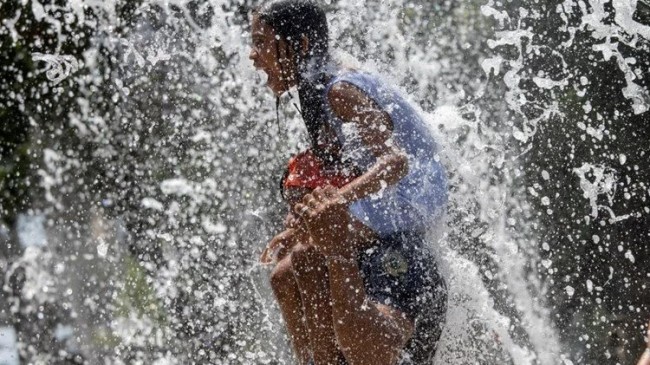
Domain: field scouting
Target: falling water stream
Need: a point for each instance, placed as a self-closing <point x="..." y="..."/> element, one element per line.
<point x="157" y="155"/>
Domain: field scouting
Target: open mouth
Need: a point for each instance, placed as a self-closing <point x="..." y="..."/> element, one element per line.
<point x="262" y="76"/>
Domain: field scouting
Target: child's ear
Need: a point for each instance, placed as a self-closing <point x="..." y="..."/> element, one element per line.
<point x="304" y="45"/>
<point x="283" y="50"/>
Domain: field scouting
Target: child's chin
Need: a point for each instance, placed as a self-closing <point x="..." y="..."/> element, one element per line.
<point x="277" y="91"/>
<point x="276" y="87"/>
<point x="264" y="79"/>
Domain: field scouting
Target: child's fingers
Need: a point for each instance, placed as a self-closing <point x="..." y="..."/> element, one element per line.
<point x="311" y="200"/>
<point x="293" y="222"/>
<point x="269" y="252"/>
<point x="280" y="253"/>
<point x="300" y="209"/>
<point x="325" y="194"/>
<point x="273" y="252"/>
<point x="276" y="252"/>
<point x="329" y="191"/>
<point x="265" y="257"/>
<point x="269" y="255"/>
<point x="318" y="193"/>
<point x="321" y="193"/>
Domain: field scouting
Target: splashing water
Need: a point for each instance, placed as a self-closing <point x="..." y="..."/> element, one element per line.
<point x="57" y="67"/>
<point x="158" y="155"/>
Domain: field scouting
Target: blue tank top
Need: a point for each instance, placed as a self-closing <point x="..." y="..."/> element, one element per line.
<point x="420" y="196"/>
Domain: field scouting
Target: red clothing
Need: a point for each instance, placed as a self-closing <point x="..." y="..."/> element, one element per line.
<point x="306" y="170"/>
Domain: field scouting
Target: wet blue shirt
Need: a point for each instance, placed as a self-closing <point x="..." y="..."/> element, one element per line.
<point x="420" y="196"/>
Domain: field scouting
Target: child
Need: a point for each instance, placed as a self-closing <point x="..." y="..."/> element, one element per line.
<point x="360" y="285"/>
<point x="305" y="172"/>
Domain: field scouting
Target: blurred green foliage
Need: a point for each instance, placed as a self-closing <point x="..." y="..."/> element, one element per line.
<point x="137" y="295"/>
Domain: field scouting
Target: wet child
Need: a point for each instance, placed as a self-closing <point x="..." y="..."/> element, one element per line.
<point x="360" y="285"/>
<point x="305" y="172"/>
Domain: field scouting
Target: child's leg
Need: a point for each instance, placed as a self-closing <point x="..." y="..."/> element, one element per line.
<point x="313" y="280"/>
<point x="287" y="293"/>
<point x="367" y="333"/>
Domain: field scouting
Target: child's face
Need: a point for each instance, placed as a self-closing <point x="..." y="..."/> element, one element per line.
<point x="265" y="51"/>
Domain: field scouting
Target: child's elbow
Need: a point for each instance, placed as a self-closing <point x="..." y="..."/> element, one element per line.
<point x="399" y="165"/>
<point x="403" y="164"/>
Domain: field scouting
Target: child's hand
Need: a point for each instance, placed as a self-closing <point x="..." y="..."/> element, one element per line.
<point x="326" y="216"/>
<point x="280" y="246"/>
<point x="291" y="221"/>
<point x="276" y="247"/>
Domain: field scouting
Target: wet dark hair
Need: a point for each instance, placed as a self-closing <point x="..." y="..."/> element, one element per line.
<point x="292" y="20"/>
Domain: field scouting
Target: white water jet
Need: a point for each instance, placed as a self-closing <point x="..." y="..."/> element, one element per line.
<point x="203" y="151"/>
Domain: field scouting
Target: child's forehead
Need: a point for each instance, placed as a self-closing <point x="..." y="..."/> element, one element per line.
<point x="259" y="28"/>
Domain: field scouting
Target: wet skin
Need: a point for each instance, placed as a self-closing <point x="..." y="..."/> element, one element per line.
<point x="316" y="279"/>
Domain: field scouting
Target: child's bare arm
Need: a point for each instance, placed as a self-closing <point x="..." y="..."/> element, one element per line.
<point x="280" y="245"/>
